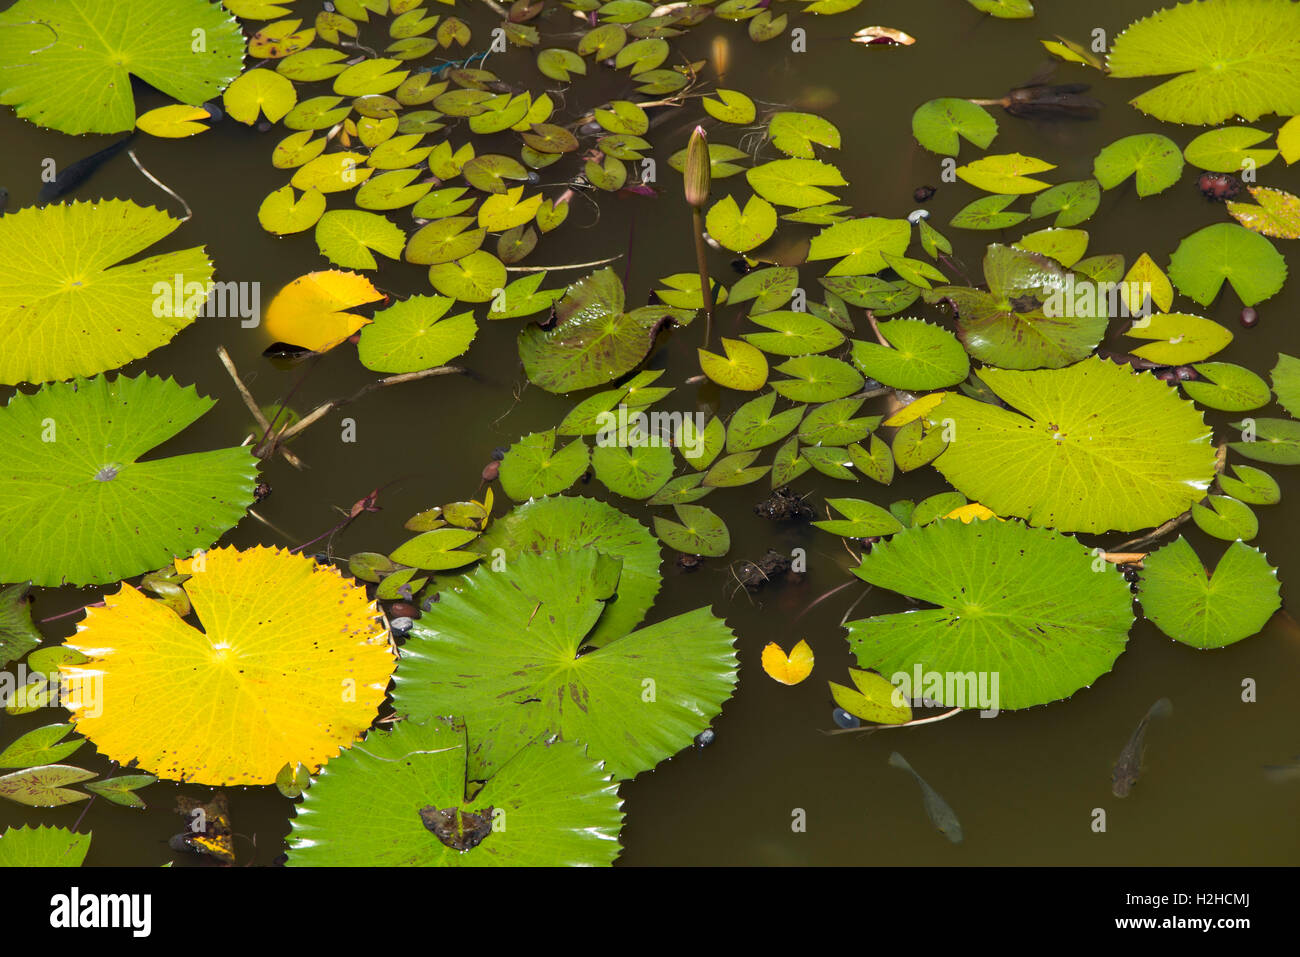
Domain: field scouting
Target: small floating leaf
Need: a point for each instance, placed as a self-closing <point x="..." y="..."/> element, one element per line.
<point x="938" y="124"/>
<point x="1179" y="338"/>
<point x="310" y="311"/>
<point x="1208" y="611"/>
<point x="1005" y="173"/>
<point x="1277" y="215"/>
<point x="1155" y="161"/>
<point x="532" y="467"/>
<point x="1227" y="150"/>
<point x="413" y="335"/>
<point x="920" y="356"/>
<point x="788" y="669"/>
<point x="744" y="367"/>
<point x="1231" y="388"/>
<point x="1248" y="261"/>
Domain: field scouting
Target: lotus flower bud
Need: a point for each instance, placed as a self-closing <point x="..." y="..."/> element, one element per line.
<point x="698" y="170"/>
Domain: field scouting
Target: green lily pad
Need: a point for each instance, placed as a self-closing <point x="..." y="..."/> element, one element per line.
<point x="18" y="633"/>
<point x="861" y="519"/>
<point x="1006" y="173"/>
<point x="44" y="786"/>
<point x="42" y="847"/>
<point x="437" y="550"/>
<point x="346" y="237"/>
<point x="1073" y="203"/>
<point x="939" y="125"/>
<point x="413" y="335"/>
<point x="67" y="308"/>
<point x="795" y="182"/>
<point x="1098" y="447"/>
<point x="753" y="425"/>
<point x="698" y="531"/>
<point x="1276" y="441"/>
<point x="546" y="805"/>
<point x="1286" y="383"/>
<point x="919" y="356"/>
<point x="567" y="523"/>
<point x="1226" y="518"/>
<point x="68" y="66"/>
<point x="1208" y="611"/>
<point x="532" y="467"/>
<point x="734" y="470"/>
<point x="1227" y="150"/>
<point x="76" y="505"/>
<point x="1231" y="388"/>
<point x="988" y="212"/>
<point x="793" y="333"/>
<point x="1251" y="485"/>
<point x="833" y="423"/>
<point x="862" y="242"/>
<point x="994" y="615"/>
<point x="1009" y="326"/>
<point x="741" y="230"/>
<point x="594" y="341"/>
<point x="503" y="651"/>
<point x="1223" y="70"/>
<point x="817" y="379"/>
<point x="1155" y="161"/>
<point x="1178" y="338"/>
<point x="1248" y="261"/>
<point x="794" y="134"/>
<point x="635" y="472"/>
<point x="42" y="746"/>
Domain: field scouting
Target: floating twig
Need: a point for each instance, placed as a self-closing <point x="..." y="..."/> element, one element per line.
<point x="189" y="213"/>
<point x="868" y="728"/>
<point x="322" y="410"/>
<point x="253" y="407"/>
<point x="598" y="262"/>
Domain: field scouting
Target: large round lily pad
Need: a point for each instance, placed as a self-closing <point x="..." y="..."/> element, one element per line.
<point x="551" y="806"/>
<point x="562" y="523"/>
<point x="77" y="505"/>
<point x="1024" y="604"/>
<point x="1093" y="447"/>
<point x="503" y="652"/>
<point x="67" y="308"/>
<point x="67" y="64"/>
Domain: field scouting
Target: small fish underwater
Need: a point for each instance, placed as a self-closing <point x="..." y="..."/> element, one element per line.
<point x="936" y="808"/>
<point x="1129" y="766"/>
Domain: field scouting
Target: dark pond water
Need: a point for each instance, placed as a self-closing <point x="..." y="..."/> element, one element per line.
<point x="1025" y="784"/>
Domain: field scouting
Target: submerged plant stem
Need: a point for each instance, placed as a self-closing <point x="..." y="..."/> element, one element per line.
<point x="702" y="261"/>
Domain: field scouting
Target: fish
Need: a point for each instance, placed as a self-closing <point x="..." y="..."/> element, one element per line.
<point x="1283" y="772"/>
<point x="1129" y="765"/>
<point x="70" y="177"/>
<point x="936" y="808"/>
